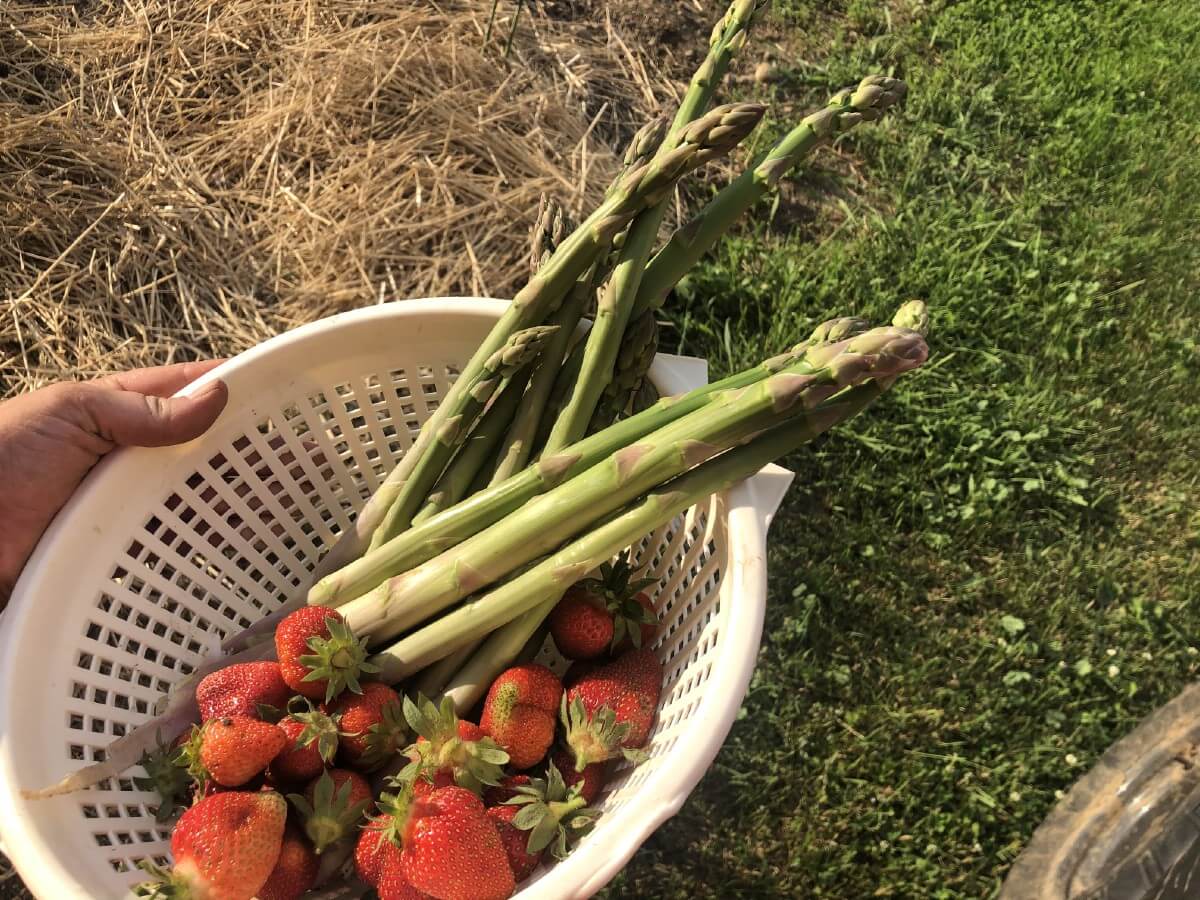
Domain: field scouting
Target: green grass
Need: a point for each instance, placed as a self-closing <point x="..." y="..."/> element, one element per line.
<point x="994" y="575"/>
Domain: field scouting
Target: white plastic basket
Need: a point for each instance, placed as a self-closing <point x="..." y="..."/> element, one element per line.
<point x="163" y="550"/>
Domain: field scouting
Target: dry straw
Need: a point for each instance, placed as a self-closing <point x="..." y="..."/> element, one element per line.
<point x="182" y="178"/>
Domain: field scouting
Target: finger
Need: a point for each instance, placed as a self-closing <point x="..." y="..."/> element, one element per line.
<point x="160" y="381"/>
<point x="131" y="419"/>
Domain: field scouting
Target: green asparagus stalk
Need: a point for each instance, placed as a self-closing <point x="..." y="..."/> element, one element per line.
<point x="538" y="589"/>
<point x="867" y="103"/>
<point x="634" y="358"/>
<point x="518" y="440"/>
<point x="465" y="519"/>
<point x="518" y="351"/>
<point x="730" y="418"/>
<point x="479" y="448"/>
<point x="619" y="297"/>
<point x="497" y="651"/>
<point x="487" y="507"/>
<point x="564" y="386"/>
<point x="437" y="675"/>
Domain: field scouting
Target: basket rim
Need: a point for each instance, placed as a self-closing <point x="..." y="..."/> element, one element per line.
<point x="749" y="508"/>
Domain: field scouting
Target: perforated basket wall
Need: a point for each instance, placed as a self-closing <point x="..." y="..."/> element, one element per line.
<point x="164" y="552"/>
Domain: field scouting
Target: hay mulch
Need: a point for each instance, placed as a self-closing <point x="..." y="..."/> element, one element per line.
<point x="183" y="178"/>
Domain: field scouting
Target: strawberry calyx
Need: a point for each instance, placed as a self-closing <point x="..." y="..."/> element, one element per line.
<point x="397" y="810"/>
<point x="319" y="726"/>
<point x="167" y="775"/>
<point x="554" y="814"/>
<point x="189" y="759"/>
<point x="166" y="884"/>
<point x="337" y="660"/>
<point x="619" y="592"/>
<point x="472" y="763"/>
<point x="330" y="816"/>
<point x="595" y="737"/>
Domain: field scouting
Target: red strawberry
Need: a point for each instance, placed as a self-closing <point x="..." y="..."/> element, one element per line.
<point x="295" y="871"/>
<point x="451" y="849"/>
<point x="516" y="842"/>
<point x="580" y="624"/>
<point x="372" y="725"/>
<point x="610" y="710"/>
<point x="332" y="806"/>
<point x="319" y="657"/>
<point x="519" y="712"/>
<point x="447" y="745"/>
<point x="232" y="750"/>
<point x="312" y="743"/>
<point x="505" y="790"/>
<point x="226" y="846"/>
<point x="239" y="690"/>
<point x="590" y="780"/>
<point x="599" y="613"/>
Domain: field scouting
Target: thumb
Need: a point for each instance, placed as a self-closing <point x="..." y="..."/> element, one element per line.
<point x="130" y="419"/>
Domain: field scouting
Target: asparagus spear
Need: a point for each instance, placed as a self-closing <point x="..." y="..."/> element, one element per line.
<point x="518" y="440"/>
<point x="479" y="447"/>
<point x="619" y="296"/>
<point x="914" y="315"/>
<point x="538" y="588"/>
<point x="645" y="143"/>
<point x="564" y="386"/>
<point x="867" y="103"/>
<point x="549" y="229"/>
<point x="458" y="523"/>
<point x="634" y="358"/>
<point x="731" y="418"/>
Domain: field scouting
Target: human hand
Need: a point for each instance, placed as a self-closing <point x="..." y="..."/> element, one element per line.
<point x="51" y="438"/>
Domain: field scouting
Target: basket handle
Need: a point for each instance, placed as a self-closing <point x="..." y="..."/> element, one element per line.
<point x="767" y="490"/>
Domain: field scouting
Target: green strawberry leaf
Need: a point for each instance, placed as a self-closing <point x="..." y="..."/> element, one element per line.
<point x="542" y="834"/>
<point x="530" y="816"/>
